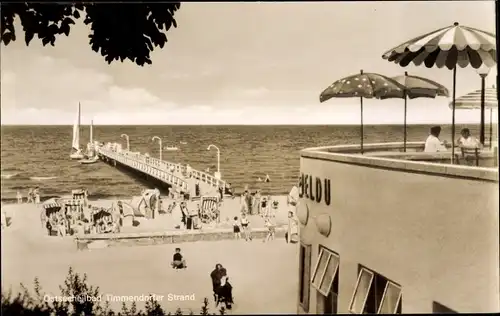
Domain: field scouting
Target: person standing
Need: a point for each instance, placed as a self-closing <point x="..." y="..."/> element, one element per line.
<point x="221" y="192"/>
<point x="244" y="206"/>
<point x="197" y="188"/>
<point x="245" y="225"/>
<point x="256" y="202"/>
<point x="236" y="228"/>
<point x="270" y="229"/>
<point x="36" y="193"/>
<point x="48" y="226"/>
<point x="19" y="197"/>
<point x="216" y="277"/>
<point x="30" y="196"/>
<point x="249" y="203"/>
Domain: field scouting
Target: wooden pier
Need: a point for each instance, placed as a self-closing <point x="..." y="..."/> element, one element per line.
<point x="171" y="174"/>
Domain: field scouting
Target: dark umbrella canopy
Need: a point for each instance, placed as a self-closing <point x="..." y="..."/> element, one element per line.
<point x="418" y="87"/>
<point x="363" y="85"/>
<point x="451" y="46"/>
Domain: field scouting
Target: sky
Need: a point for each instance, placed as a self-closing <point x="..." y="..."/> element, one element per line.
<point x="241" y="63"/>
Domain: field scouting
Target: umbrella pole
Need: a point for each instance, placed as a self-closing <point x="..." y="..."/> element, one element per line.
<point x="491" y="126"/>
<point x="453" y="116"/>
<point x="404" y="145"/>
<point x="481" y="128"/>
<point x="361" y="127"/>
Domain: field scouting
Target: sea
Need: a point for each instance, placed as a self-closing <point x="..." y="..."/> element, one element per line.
<point x="38" y="156"/>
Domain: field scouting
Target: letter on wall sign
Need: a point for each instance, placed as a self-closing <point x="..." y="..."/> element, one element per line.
<point x="328" y="196"/>
<point x="318" y="190"/>
<point x="306" y="186"/>
<point x="311" y="188"/>
<point x="301" y="186"/>
<point x="315" y="189"/>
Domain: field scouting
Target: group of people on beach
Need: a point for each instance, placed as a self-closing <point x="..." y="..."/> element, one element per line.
<point x="74" y="220"/>
<point x="257" y="204"/>
<point x="33" y="196"/>
<point x="187" y="216"/>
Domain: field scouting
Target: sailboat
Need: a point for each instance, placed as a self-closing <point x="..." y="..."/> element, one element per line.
<point x="91" y="154"/>
<point x="76" y="137"/>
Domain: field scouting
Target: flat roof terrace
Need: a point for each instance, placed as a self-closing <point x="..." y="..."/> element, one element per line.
<point x="392" y="157"/>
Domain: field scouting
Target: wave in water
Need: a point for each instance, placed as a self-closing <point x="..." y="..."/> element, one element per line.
<point x="8" y="176"/>
<point x="42" y="178"/>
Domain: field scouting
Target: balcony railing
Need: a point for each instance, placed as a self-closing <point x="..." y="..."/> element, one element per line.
<point x="392" y="156"/>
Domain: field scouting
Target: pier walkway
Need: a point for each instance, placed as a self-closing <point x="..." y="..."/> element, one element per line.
<point x="170" y="173"/>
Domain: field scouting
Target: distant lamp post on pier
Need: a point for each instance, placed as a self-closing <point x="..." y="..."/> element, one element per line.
<point x="161" y="147"/>
<point x="128" y="141"/>
<point x="483" y="72"/>
<point x="217" y="173"/>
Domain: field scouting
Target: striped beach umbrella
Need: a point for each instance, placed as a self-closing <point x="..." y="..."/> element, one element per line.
<point x="451" y="46"/>
<point x="51" y="203"/>
<point x="363" y="85"/>
<point x="472" y="101"/>
<point x="418" y="87"/>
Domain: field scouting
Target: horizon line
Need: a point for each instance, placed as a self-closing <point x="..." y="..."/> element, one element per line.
<point x="278" y="124"/>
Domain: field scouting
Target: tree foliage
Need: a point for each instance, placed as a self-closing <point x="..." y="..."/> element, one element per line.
<point x="118" y="30"/>
<point x="76" y="286"/>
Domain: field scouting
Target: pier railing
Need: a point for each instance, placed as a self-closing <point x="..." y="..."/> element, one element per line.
<point x="149" y="165"/>
<point x="160" y="169"/>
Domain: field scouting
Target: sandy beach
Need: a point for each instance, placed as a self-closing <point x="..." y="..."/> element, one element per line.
<point x="28" y="252"/>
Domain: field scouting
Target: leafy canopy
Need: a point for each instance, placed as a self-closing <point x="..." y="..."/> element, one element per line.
<point x="118" y="30"/>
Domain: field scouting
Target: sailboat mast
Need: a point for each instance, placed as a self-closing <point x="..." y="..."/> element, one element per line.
<point x="91" y="131"/>
<point x="79" y="122"/>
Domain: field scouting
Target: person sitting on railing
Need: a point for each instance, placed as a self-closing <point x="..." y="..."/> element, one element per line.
<point x="432" y="143"/>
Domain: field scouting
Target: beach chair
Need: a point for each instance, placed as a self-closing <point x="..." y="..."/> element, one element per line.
<point x="78" y="194"/>
<point x="209" y="209"/>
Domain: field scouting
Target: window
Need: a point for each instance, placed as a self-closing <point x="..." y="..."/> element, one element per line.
<point x="325" y="280"/>
<point x="375" y="294"/>
<point x="304" y="275"/>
